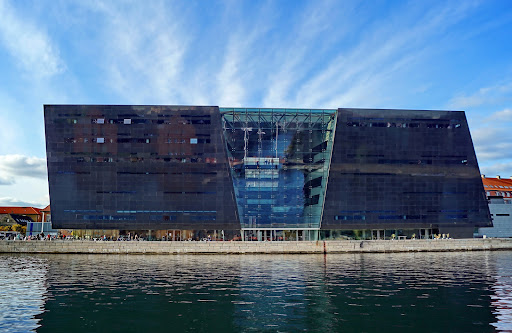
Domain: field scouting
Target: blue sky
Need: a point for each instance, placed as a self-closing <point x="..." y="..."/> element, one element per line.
<point x="448" y="55"/>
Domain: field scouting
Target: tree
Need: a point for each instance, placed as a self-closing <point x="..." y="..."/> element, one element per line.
<point x="19" y="228"/>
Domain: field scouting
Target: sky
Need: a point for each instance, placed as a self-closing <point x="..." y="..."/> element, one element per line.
<point x="439" y="55"/>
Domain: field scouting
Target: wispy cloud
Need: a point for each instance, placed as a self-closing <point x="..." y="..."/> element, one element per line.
<point x="359" y="70"/>
<point x="13" y="167"/>
<point x="394" y="45"/>
<point x="312" y="33"/>
<point x="491" y="132"/>
<point x="503" y="115"/>
<point x="488" y="95"/>
<point x="231" y="88"/>
<point x="242" y="57"/>
<point x="29" y="46"/>
<point x="142" y="49"/>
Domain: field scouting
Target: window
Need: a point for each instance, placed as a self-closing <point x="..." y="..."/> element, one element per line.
<point x="100" y="140"/>
<point x="100" y="121"/>
<point x="127" y="121"/>
<point x="193" y="141"/>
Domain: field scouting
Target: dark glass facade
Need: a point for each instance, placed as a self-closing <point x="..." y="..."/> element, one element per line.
<point x="183" y="167"/>
<point x="398" y="169"/>
<point x="138" y="167"/>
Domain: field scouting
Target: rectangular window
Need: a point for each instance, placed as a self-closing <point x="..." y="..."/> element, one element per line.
<point x="193" y="141"/>
<point x="100" y="140"/>
<point x="127" y="121"/>
<point x="100" y="121"/>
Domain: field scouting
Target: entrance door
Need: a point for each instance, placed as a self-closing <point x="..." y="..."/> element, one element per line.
<point x="378" y="234"/>
<point x="425" y="233"/>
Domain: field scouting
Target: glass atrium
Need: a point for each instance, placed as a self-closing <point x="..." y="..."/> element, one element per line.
<point x="279" y="160"/>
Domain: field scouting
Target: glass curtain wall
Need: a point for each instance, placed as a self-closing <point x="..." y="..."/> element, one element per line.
<point x="279" y="160"/>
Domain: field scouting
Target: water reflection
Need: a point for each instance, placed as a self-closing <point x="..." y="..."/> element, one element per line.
<point x="22" y="286"/>
<point x="427" y="292"/>
<point x="502" y="298"/>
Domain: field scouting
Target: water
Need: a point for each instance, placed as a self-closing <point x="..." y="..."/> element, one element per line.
<point x="424" y="292"/>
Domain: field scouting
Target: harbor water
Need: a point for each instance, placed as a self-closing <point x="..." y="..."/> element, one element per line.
<point x="388" y="292"/>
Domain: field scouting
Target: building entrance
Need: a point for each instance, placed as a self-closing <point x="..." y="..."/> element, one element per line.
<point x="273" y="235"/>
<point x="425" y="233"/>
<point x="378" y="234"/>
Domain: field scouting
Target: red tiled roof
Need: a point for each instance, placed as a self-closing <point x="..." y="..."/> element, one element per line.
<point x="498" y="186"/>
<point x="20" y="210"/>
<point x="46" y="209"/>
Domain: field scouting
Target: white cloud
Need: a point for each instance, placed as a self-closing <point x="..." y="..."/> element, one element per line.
<point x="25" y="191"/>
<point x="492" y="143"/>
<point x="497" y="169"/>
<point x="14" y="166"/>
<point x="9" y="201"/>
<point x="29" y="46"/>
<point x="492" y="95"/>
<point x="503" y="115"/>
<point x="6" y="180"/>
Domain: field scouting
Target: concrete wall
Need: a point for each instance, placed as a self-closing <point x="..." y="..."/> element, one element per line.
<point x="144" y="247"/>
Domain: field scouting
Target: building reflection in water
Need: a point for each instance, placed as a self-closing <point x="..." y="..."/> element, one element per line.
<point x="283" y="292"/>
<point x="423" y="292"/>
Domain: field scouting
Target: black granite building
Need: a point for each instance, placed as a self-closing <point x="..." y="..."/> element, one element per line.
<point x="264" y="174"/>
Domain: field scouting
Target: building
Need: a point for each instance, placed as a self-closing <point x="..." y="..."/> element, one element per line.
<point x="45" y="226"/>
<point x="499" y="195"/>
<point x="36" y="220"/>
<point x="46" y="214"/>
<point x="34" y="214"/>
<point x="13" y="219"/>
<point x="263" y="174"/>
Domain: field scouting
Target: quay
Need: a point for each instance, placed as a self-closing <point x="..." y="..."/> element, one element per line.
<point x="252" y="247"/>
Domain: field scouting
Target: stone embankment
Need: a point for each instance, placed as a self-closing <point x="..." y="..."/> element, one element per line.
<point x="345" y="246"/>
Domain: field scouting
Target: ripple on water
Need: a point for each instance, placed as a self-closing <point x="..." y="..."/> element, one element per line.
<point x="354" y="292"/>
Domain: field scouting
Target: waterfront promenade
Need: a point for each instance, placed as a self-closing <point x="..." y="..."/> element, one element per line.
<point x="185" y="247"/>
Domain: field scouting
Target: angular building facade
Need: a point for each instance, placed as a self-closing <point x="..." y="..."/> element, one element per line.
<point x="263" y="174"/>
